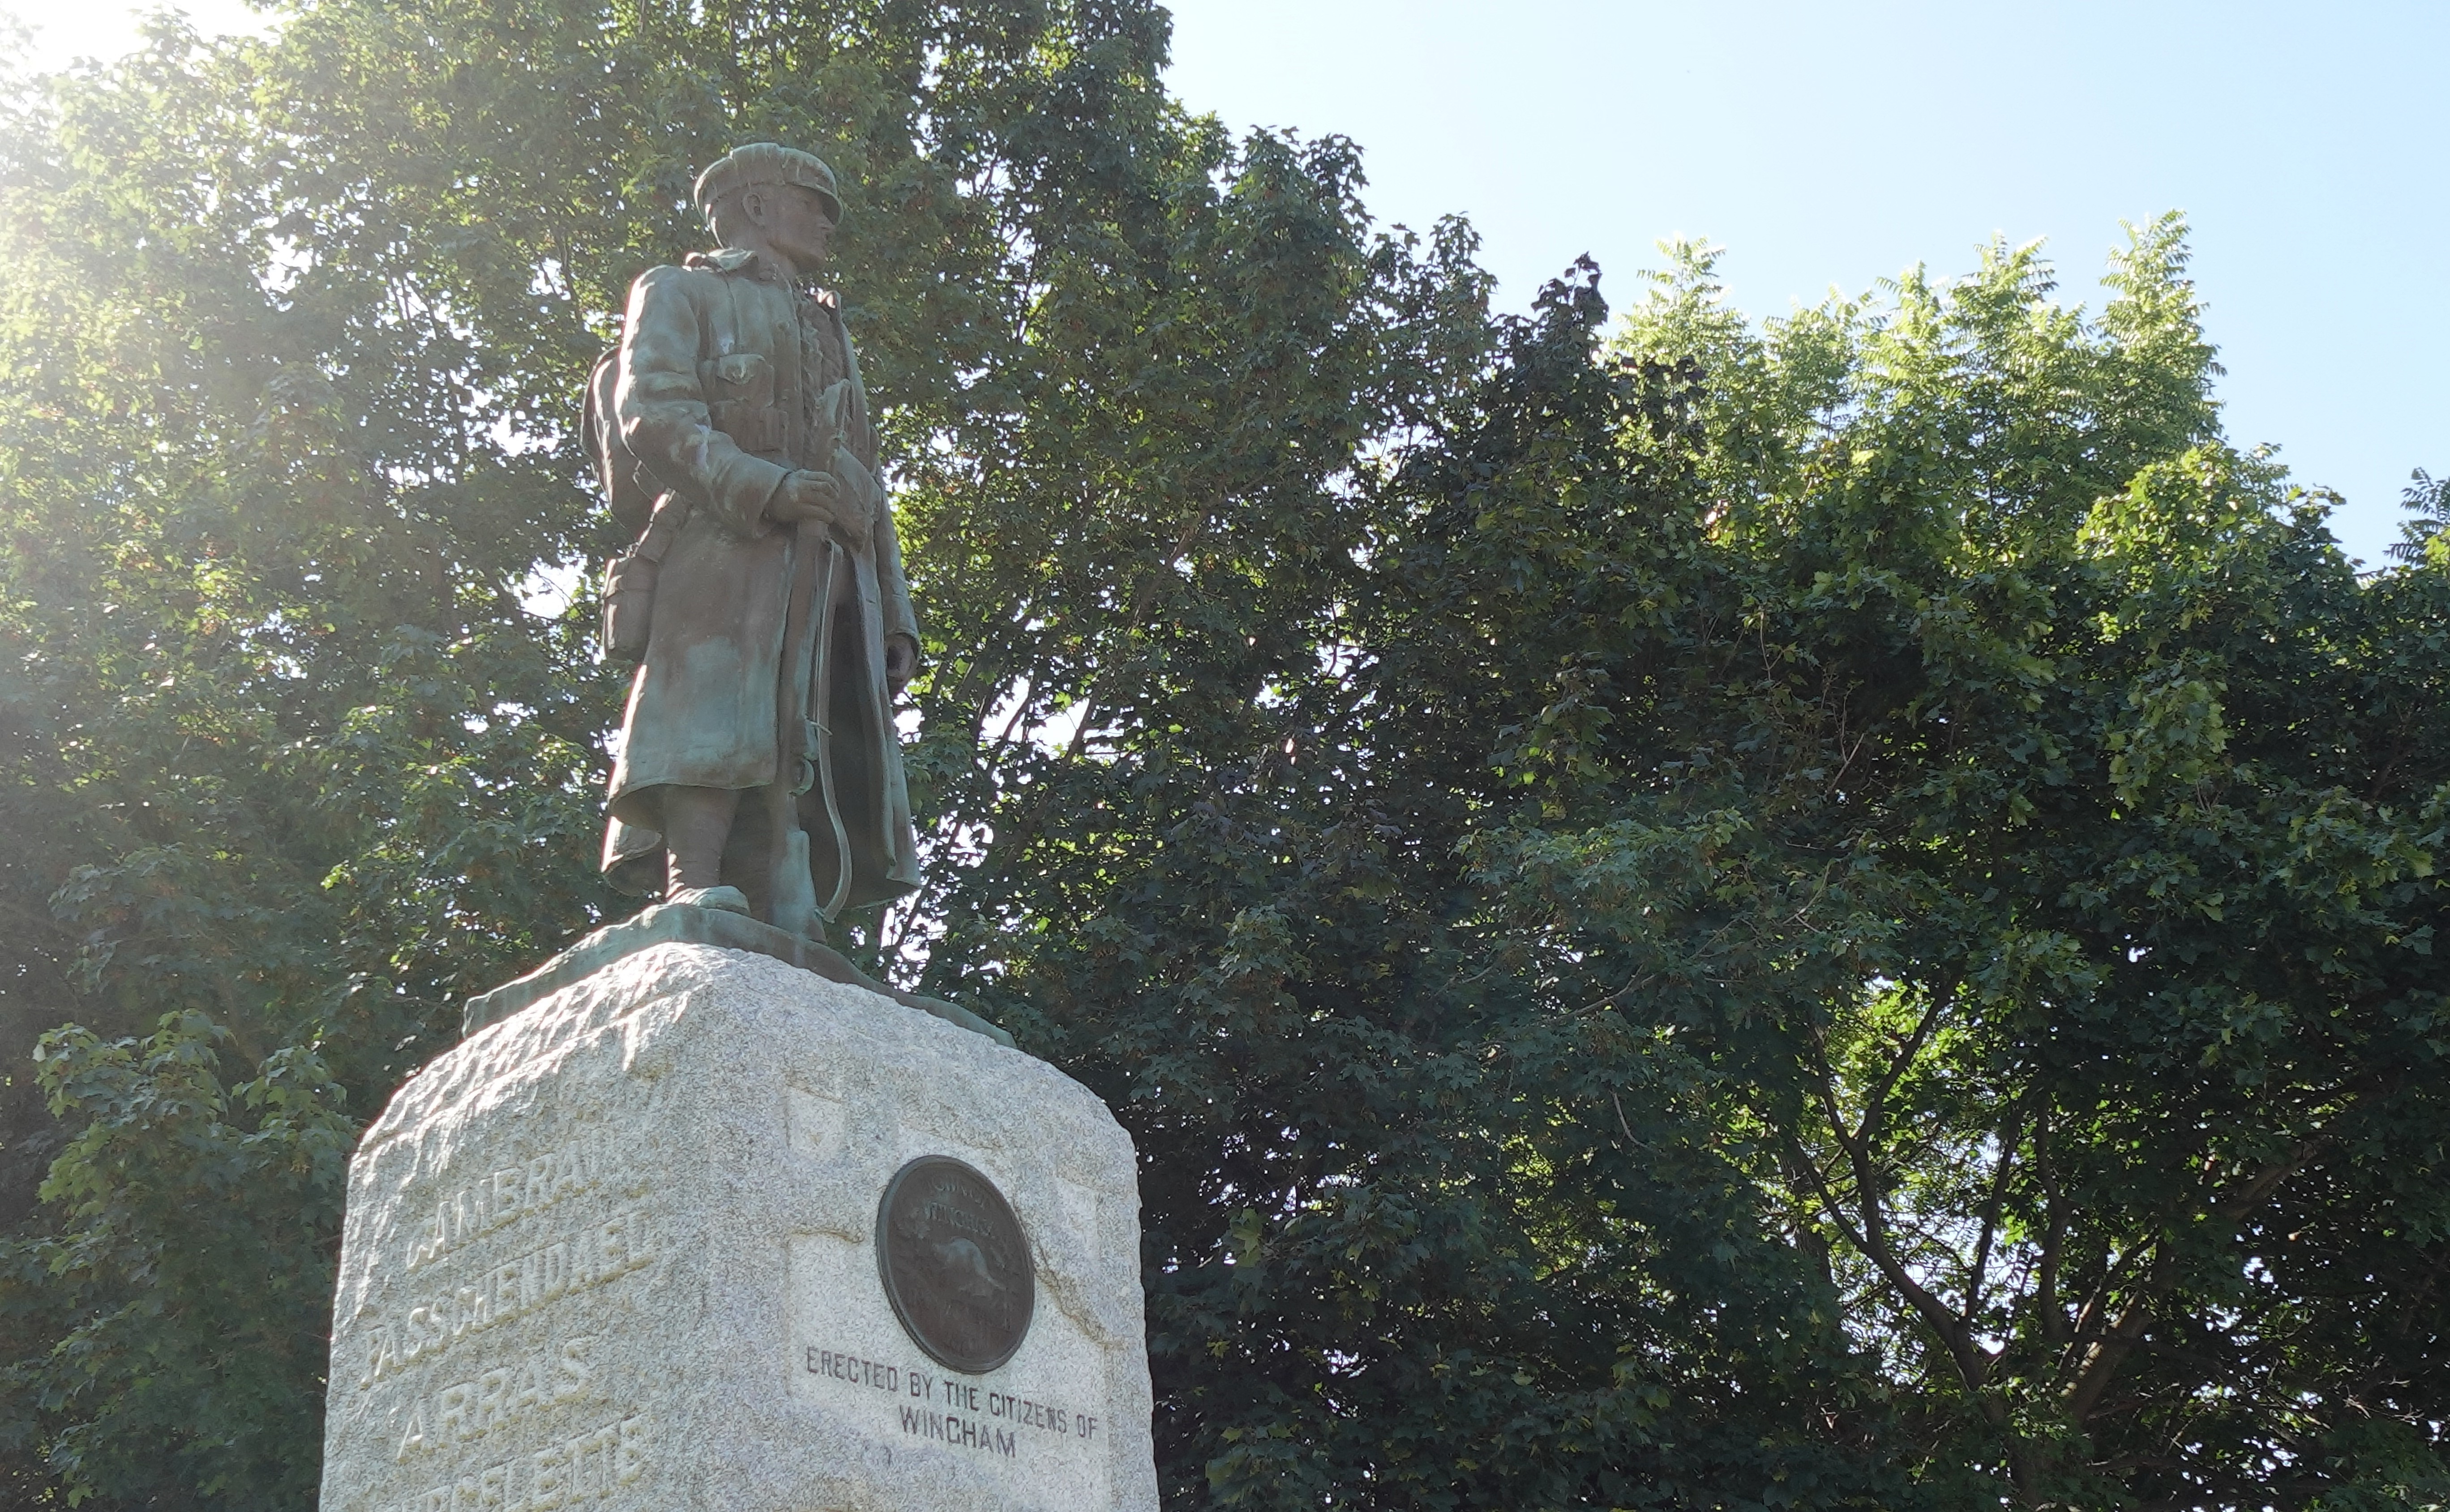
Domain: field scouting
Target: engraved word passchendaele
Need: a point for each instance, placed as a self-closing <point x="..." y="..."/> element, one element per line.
<point x="955" y="1263"/>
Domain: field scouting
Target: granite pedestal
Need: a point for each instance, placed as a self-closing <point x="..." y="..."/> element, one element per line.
<point x="620" y="1249"/>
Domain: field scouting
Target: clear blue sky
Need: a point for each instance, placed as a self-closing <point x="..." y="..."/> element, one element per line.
<point x="1836" y="144"/>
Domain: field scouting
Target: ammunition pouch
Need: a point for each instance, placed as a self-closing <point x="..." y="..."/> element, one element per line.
<point x="629" y="582"/>
<point x="629" y="606"/>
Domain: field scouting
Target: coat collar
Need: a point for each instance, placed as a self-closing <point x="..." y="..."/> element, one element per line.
<point x="749" y="264"/>
<point x="731" y="260"/>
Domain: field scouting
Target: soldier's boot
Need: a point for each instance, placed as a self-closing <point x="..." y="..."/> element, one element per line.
<point x="697" y="821"/>
<point x="730" y="900"/>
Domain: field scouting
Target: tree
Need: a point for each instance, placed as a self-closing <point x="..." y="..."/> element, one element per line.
<point x="293" y="335"/>
<point x="2428" y="498"/>
<point x="2022" y="818"/>
<point x="1835" y="914"/>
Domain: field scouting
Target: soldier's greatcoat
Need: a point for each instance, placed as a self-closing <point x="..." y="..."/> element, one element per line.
<point x="730" y="376"/>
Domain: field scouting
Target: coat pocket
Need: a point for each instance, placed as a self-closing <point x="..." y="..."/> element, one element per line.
<point x="739" y="389"/>
<point x="744" y="378"/>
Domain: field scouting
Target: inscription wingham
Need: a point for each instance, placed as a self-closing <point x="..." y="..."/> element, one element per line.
<point x="959" y="1432"/>
<point x="501" y="1294"/>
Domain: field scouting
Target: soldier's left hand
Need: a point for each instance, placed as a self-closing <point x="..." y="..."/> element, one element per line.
<point x="901" y="661"/>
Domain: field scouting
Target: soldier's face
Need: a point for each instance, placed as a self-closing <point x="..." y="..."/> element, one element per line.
<point x="794" y="223"/>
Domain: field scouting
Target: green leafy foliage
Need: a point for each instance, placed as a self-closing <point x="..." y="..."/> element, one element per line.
<point x="196" y="1209"/>
<point x="2018" y="810"/>
<point x="1830" y="914"/>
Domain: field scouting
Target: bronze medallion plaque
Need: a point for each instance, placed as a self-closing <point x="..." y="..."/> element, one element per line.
<point x="955" y="1264"/>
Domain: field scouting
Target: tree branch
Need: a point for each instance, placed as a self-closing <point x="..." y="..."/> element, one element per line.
<point x="2045" y="1301"/>
<point x="1875" y="1101"/>
<point x="2107" y="1353"/>
<point x="1973" y="1362"/>
<point x="2266" y="1181"/>
<point x="1975" y="1273"/>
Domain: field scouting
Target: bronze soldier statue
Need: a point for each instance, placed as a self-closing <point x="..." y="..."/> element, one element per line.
<point x="759" y="770"/>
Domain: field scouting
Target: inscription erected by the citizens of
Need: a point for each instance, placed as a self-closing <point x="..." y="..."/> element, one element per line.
<point x="955" y="1264"/>
<point x="959" y="1414"/>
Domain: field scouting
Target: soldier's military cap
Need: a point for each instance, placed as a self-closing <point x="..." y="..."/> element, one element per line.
<point x="766" y="162"/>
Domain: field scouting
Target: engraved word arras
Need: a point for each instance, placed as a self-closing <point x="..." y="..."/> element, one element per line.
<point x="533" y="1382"/>
<point x="955" y="1263"/>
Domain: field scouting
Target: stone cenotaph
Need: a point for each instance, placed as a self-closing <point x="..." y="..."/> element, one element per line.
<point x="697" y="1216"/>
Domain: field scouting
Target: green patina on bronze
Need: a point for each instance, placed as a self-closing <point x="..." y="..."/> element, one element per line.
<point x="758" y="748"/>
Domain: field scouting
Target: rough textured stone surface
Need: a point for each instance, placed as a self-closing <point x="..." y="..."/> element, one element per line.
<point x="666" y="923"/>
<point x="617" y="1252"/>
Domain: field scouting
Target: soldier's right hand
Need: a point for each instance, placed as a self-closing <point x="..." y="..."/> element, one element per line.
<point x="802" y="496"/>
<point x="811" y="495"/>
